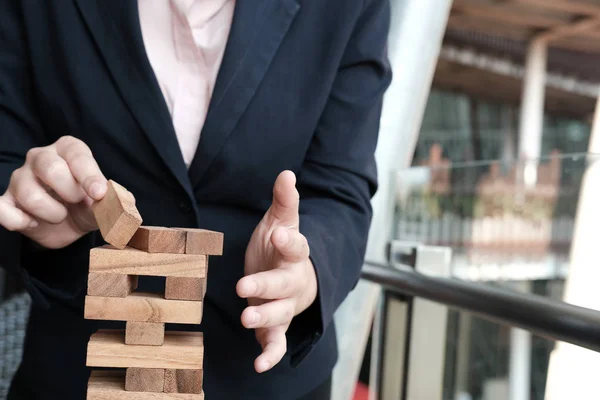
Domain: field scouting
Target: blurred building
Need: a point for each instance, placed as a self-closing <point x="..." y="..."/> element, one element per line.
<point x="516" y="80"/>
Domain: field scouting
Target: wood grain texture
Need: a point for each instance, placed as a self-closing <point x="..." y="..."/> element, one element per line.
<point x="145" y="380"/>
<point x="183" y="381"/>
<point x="143" y="307"/>
<point x="116" y="215"/>
<point x="111" y="285"/>
<point x="110" y="385"/>
<point x="181" y="350"/>
<point x="153" y="239"/>
<point x="144" y="333"/>
<point x="192" y="289"/>
<point x="203" y="241"/>
<point x="129" y="261"/>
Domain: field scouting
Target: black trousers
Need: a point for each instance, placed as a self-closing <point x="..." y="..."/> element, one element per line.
<point x="322" y="392"/>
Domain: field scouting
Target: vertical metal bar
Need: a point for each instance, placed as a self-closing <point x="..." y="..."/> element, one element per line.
<point x="428" y="329"/>
<point x="519" y="368"/>
<point x="394" y="348"/>
<point x="377" y="340"/>
<point x="389" y="348"/>
<point x="461" y="385"/>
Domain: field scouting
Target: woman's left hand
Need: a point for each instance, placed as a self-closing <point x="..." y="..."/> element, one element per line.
<point x="280" y="281"/>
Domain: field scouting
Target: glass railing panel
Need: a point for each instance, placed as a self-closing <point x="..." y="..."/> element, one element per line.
<point x="509" y="224"/>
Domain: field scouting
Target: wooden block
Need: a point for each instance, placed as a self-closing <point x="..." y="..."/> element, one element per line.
<point x="202" y="241"/>
<point x="129" y="261"/>
<point x="111" y="285"/>
<point x="145" y="380"/>
<point x="116" y="215"/>
<point x="178" y="288"/>
<point x="181" y="350"/>
<point x="110" y="385"/>
<point x="143" y="307"/>
<point x="183" y="381"/>
<point x="144" y="333"/>
<point x="153" y="239"/>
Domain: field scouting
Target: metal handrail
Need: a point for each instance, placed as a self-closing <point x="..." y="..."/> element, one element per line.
<point x="552" y="319"/>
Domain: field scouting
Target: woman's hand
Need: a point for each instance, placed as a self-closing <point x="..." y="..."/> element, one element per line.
<point x="49" y="198"/>
<point x="280" y="279"/>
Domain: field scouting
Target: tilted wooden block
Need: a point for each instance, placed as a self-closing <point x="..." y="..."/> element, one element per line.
<point x="107" y="259"/>
<point x="181" y="350"/>
<point x="154" y="239"/>
<point x="111" y="285"/>
<point x="144" y="333"/>
<point x="183" y="381"/>
<point x="145" y="380"/>
<point x="177" y="288"/>
<point x="143" y="307"/>
<point x="116" y="215"/>
<point x="203" y="241"/>
<point x="110" y="385"/>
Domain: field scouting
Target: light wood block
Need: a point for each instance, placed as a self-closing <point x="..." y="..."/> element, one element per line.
<point x="144" y="333"/>
<point x="111" y="285"/>
<point x="110" y="385"/>
<point x="203" y="241"/>
<point x="129" y="261"/>
<point x="153" y="239"/>
<point x="181" y="350"/>
<point x="116" y="215"/>
<point x="145" y="380"/>
<point x="178" y="288"/>
<point x="183" y="381"/>
<point x="143" y="307"/>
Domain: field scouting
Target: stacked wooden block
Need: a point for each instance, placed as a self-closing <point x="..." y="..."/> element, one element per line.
<point x="155" y="361"/>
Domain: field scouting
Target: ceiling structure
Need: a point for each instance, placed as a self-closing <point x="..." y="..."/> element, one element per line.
<point x="503" y="29"/>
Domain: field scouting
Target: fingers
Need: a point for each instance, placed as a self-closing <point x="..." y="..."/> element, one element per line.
<point x="83" y="166"/>
<point x="33" y="199"/>
<point x="277" y="283"/>
<point x="274" y="346"/>
<point x="54" y="172"/>
<point x="291" y="244"/>
<point x="286" y="200"/>
<point x="269" y="315"/>
<point x="12" y="218"/>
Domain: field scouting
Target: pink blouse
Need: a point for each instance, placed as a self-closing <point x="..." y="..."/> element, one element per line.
<point x="185" y="41"/>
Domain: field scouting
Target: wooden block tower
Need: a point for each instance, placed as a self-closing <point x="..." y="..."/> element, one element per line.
<point x="147" y="362"/>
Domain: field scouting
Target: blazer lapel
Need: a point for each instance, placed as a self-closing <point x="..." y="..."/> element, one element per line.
<point x="257" y="30"/>
<point x="116" y="29"/>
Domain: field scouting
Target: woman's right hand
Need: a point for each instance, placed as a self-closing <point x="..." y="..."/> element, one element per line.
<point x="49" y="198"/>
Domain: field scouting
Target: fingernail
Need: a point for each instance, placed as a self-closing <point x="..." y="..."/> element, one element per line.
<point x="33" y="224"/>
<point x="97" y="190"/>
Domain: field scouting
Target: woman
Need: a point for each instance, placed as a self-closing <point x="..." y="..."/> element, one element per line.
<point x="257" y="118"/>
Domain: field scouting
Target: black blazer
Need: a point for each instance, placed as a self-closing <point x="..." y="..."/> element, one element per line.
<point x="300" y="88"/>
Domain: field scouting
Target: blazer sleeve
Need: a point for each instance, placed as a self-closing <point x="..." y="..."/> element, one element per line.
<point x="339" y="175"/>
<point x="20" y="128"/>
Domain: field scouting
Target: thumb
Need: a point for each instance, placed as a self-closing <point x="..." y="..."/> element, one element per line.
<point x="286" y="200"/>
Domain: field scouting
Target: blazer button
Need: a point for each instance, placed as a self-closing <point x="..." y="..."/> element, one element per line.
<point x="185" y="207"/>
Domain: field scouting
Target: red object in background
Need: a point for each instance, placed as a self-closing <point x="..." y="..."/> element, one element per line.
<point x="361" y="392"/>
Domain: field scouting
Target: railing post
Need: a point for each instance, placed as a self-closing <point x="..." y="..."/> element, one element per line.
<point x="408" y="356"/>
<point x="428" y="329"/>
